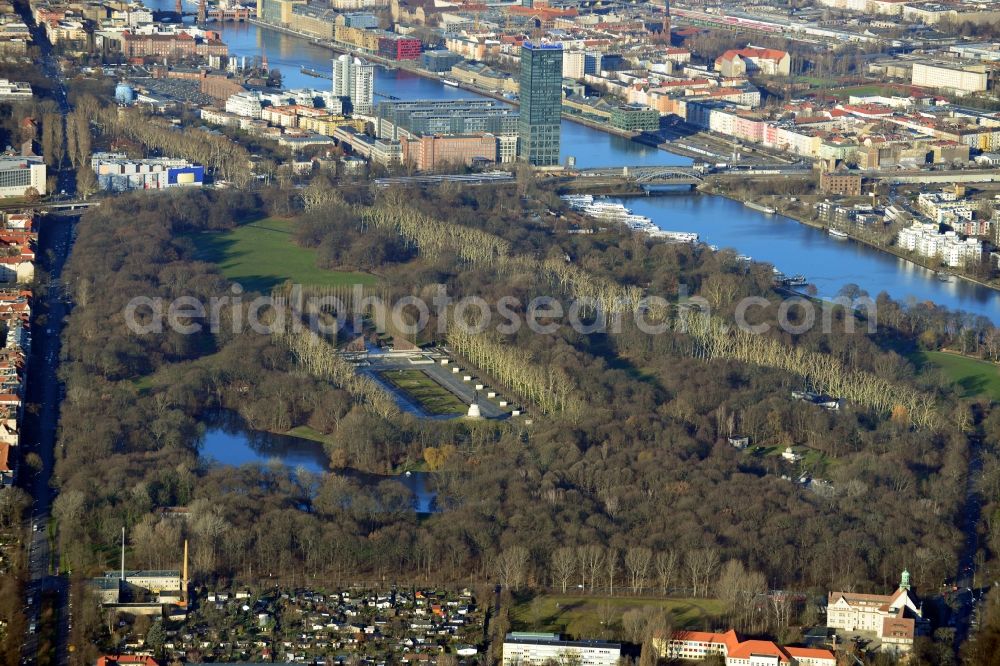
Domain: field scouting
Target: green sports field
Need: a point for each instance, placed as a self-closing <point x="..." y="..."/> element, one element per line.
<point x="583" y="616"/>
<point x="261" y="255"/>
<point x="975" y="377"/>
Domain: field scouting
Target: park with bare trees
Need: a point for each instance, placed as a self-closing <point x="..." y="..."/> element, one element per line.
<point x="622" y="503"/>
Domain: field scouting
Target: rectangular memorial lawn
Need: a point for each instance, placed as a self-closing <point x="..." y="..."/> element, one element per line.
<point x="426" y="392"/>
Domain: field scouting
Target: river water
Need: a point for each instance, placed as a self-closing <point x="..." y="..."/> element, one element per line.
<point x="794" y="248"/>
<point x="797" y="249"/>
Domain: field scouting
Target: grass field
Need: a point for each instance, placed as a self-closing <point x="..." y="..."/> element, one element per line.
<point x="580" y="616"/>
<point x="975" y="377"/>
<point x="430" y="395"/>
<point x="261" y="255"/>
<point x="863" y="91"/>
<point x="817" y="81"/>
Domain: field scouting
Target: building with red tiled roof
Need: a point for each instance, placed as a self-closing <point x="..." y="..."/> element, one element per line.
<point x="127" y="660"/>
<point x="6" y="465"/>
<point x="896" y="619"/>
<point x="868" y="110"/>
<point x="697" y="645"/>
<point x="753" y="60"/>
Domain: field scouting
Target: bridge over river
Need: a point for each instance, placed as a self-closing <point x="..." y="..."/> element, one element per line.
<point x="649" y="176"/>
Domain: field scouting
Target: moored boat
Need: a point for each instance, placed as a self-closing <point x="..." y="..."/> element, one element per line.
<point x="759" y="207"/>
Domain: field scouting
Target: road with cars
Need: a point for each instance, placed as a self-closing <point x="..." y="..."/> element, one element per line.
<point x="39" y="423"/>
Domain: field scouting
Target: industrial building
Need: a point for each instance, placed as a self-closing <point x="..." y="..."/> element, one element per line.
<point x="117" y="173"/>
<point x="142" y="592"/>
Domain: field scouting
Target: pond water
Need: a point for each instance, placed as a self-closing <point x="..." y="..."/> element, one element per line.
<point x="228" y="441"/>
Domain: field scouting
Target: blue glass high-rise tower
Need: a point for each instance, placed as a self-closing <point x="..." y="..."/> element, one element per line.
<point x="541" y="103"/>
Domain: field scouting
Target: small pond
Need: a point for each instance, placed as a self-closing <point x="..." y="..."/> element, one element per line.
<point x="228" y="441"/>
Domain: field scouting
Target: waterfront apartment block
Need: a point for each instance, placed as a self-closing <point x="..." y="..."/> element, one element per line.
<point x="927" y="240"/>
<point x="541" y="103"/>
<point x="464" y="116"/>
<point x="354" y="79"/>
<point x="842" y="184"/>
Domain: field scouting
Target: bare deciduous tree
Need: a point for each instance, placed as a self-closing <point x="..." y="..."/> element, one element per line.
<point x="590" y="559"/>
<point x="611" y="562"/>
<point x="700" y="563"/>
<point x="511" y="566"/>
<point x="666" y="569"/>
<point x="637" y="560"/>
<point x="563" y="566"/>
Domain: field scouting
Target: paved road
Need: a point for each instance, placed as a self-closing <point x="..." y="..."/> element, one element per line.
<point x="39" y="427"/>
<point x="964" y="619"/>
<point x="39" y="431"/>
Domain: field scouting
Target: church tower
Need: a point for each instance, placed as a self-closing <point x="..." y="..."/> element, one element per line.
<point x="666" y="22"/>
<point x="904" y="580"/>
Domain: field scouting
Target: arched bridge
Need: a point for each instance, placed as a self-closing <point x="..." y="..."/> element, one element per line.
<point x="647" y="175"/>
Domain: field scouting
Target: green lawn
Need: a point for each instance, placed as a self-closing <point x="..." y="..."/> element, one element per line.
<point x="975" y="377"/>
<point x="261" y="255"/>
<point x="430" y="395"/>
<point x="305" y="432"/>
<point x="816" y="81"/>
<point x="863" y="91"/>
<point x="582" y="616"/>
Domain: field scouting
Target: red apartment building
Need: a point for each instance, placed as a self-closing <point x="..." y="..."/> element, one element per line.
<point x="395" y="47"/>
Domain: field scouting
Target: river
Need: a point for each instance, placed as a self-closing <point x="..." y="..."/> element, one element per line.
<point x="792" y="247"/>
<point x="798" y="249"/>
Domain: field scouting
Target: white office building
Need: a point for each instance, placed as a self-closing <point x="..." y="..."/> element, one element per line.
<point x="14" y="90"/>
<point x="18" y="174"/>
<point x="962" y="78"/>
<point x="245" y="104"/>
<point x="525" y="649"/>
